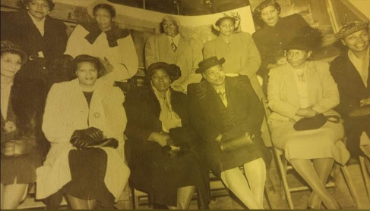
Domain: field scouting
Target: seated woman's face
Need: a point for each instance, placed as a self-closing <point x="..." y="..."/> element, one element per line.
<point x="38" y="9"/>
<point x="104" y="19"/>
<point x="297" y="58"/>
<point x="227" y="27"/>
<point x="161" y="80"/>
<point x="270" y="15"/>
<point x="10" y="64"/>
<point x="87" y="73"/>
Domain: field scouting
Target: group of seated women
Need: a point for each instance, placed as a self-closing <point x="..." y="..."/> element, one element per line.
<point x="161" y="140"/>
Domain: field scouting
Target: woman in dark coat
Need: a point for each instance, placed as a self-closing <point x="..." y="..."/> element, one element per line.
<point x="159" y="149"/>
<point x="275" y="32"/>
<point x="21" y="111"/>
<point x="39" y="35"/>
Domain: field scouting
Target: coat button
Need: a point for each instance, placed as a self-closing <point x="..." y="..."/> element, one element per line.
<point x="96" y="114"/>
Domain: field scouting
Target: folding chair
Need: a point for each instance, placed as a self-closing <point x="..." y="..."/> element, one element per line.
<point x="284" y="168"/>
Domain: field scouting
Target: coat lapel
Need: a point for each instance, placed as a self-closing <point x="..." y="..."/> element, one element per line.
<point x="291" y="86"/>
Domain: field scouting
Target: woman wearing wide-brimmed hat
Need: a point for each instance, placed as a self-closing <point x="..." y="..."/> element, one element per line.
<point x="161" y="148"/>
<point x="21" y="109"/>
<point x="301" y="94"/>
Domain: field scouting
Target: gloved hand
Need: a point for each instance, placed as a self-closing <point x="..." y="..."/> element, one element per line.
<point x="93" y="135"/>
<point x="86" y="137"/>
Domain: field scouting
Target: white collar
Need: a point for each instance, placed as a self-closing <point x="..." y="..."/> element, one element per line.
<point x="175" y="39"/>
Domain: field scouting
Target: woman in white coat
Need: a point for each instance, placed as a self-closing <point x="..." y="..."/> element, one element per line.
<point x="90" y="106"/>
<point x="103" y="39"/>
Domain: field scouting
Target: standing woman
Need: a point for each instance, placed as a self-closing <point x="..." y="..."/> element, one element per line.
<point x="77" y="113"/>
<point x="103" y="39"/>
<point x="238" y="49"/>
<point x="305" y="89"/>
<point x="275" y="32"/>
<point x="41" y="36"/>
<point x="20" y="112"/>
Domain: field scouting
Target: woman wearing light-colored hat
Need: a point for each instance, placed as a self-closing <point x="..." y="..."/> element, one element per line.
<point x="238" y="49"/>
<point x="21" y="106"/>
<point x="351" y="71"/>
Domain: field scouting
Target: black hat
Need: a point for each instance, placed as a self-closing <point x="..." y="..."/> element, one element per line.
<point x="172" y="70"/>
<point x="265" y="4"/>
<point x="307" y="39"/>
<point x="207" y="63"/>
<point x="9" y="46"/>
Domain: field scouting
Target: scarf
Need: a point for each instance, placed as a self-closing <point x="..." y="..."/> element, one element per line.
<point x="112" y="35"/>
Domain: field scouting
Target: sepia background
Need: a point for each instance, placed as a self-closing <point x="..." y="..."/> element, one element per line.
<point x="142" y="17"/>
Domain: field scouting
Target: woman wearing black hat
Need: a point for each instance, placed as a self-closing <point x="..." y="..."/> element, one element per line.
<point x="21" y="109"/>
<point x="302" y="89"/>
<point x="160" y="147"/>
<point x="275" y="32"/>
<point x="41" y="36"/>
<point x="79" y="113"/>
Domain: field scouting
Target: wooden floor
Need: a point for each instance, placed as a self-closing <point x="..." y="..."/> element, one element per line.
<point x="341" y="194"/>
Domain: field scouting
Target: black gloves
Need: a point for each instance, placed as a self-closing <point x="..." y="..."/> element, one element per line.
<point x="86" y="137"/>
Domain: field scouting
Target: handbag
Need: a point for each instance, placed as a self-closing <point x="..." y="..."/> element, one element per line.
<point x="237" y="143"/>
<point x="315" y="122"/>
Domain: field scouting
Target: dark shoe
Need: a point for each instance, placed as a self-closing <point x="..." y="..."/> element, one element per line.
<point x="160" y="207"/>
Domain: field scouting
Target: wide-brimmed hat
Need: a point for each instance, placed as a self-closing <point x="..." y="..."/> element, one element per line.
<point x="351" y="28"/>
<point x="172" y="70"/>
<point x="9" y="46"/>
<point x="307" y="39"/>
<point x="265" y="4"/>
<point x="207" y="63"/>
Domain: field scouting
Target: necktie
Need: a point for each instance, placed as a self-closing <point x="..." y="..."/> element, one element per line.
<point x="173" y="45"/>
<point x="223" y="97"/>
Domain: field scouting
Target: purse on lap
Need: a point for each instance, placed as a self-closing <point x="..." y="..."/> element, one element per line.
<point x="237" y="143"/>
<point x="316" y="122"/>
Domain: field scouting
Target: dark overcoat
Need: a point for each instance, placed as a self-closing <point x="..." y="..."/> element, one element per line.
<point x="351" y="90"/>
<point x="205" y="118"/>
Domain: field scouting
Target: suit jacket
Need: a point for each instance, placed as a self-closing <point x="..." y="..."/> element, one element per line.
<point x="187" y="56"/>
<point x="205" y="117"/>
<point x="283" y="95"/>
<point x="18" y="28"/>
<point x="350" y="85"/>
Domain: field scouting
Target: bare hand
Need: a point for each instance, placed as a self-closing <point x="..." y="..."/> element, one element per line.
<point x="364" y="102"/>
<point x="160" y="138"/>
<point x="306" y="112"/>
<point x="9" y="126"/>
<point x="219" y="137"/>
<point x="281" y="61"/>
<point x="178" y="87"/>
<point x="107" y="65"/>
